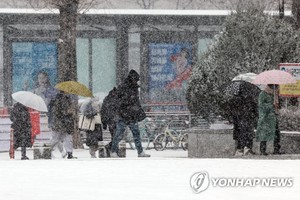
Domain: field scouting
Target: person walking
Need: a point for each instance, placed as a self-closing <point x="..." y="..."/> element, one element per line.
<point x="238" y="103"/>
<point x="21" y="124"/>
<point x="244" y="123"/>
<point x="130" y="112"/>
<point x="267" y="128"/>
<point x="109" y="111"/>
<point x="90" y="110"/>
<point x="62" y="124"/>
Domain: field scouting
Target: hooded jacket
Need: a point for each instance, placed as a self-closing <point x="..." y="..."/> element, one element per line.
<point x="129" y="108"/>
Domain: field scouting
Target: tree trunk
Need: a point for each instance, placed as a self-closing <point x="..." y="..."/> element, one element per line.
<point x="67" y="68"/>
<point x="281" y="16"/>
<point x="67" y="42"/>
<point x="296" y="12"/>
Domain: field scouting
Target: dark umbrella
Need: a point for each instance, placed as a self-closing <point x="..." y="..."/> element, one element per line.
<point x="239" y="88"/>
<point x="234" y="96"/>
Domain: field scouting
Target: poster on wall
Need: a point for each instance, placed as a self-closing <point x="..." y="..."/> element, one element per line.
<point x="291" y="90"/>
<point x="34" y="67"/>
<point x="169" y="71"/>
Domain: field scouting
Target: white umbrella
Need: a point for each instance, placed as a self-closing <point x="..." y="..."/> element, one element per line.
<point x="30" y="100"/>
<point x="249" y="77"/>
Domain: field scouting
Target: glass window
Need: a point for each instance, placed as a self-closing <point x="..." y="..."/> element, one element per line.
<point x="82" y="53"/>
<point x="203" y="44"/>
<point x="104" y="66"/>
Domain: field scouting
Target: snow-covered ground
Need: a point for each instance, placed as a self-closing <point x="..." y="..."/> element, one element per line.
<point x="166" y="175"/>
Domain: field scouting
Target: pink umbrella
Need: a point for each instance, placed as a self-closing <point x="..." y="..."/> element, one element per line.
<point x="277" y="77"/>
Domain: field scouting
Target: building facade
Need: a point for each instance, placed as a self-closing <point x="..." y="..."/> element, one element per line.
<point x="162" y="45"/>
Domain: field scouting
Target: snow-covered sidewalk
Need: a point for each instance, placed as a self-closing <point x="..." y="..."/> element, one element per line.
<point x="166" y="175"/>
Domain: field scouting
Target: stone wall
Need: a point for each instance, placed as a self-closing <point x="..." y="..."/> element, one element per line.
<point x="209" y="143"/>
<point x="154" y="4"/>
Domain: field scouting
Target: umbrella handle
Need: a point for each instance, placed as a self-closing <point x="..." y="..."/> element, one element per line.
<point x="275" y="103"/>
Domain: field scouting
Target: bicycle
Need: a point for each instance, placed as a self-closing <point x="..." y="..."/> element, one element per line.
<point x="170" y="138"/>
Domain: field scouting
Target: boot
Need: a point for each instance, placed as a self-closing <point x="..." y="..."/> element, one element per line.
<point x="70" y="156"/>
<point x="93" y="150"/>
<point x="263" y="148"/>
<point x="238" y="153"/>
<point x="143" y="154"/>
<point x="114" y="155"/>
<point x="24" y="158"/>
<point x="108" y="149"/>
<point x="23" y="152"/>
<point x="277" y="147"/>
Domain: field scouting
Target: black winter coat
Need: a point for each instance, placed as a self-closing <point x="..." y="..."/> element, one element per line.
<point x="109" y="108"/>
<point x="245" y="117"/>
<point x="130" y="109"/>
<point x="21" y="124"/>
<point x="63" y="120"/>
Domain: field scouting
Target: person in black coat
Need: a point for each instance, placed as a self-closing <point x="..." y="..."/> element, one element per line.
<point x="21" y="124"/>
<point x="62" y="124"/>
<point x="244" y="122"/>
<point x="92" y="136"/>
<point x="109" y="112"/>
<point x="130" y="112"/>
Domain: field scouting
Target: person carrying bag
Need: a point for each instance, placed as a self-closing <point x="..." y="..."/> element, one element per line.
<point x="91" y="124"/>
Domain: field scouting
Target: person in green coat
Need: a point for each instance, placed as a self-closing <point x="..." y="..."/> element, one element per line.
<point x="267" y="126"/>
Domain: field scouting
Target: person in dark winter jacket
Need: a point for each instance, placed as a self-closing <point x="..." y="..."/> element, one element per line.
<point x="21" y="124"/>
<point x="109" y="112"/>
<point x="130" y="112"/>
<point x="62" y="124"/>
<point x="244" y="122"/>
<point x="90" y="110"/>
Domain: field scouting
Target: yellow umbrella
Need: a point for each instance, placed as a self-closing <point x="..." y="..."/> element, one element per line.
<point x="73" y="87"/>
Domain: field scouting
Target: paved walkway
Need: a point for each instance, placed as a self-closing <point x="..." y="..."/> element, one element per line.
<point x="84" y="154"/>
<point x="166" y="154"/>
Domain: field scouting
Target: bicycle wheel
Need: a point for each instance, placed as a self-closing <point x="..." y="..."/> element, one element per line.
<point x="160" y="142"/>
<point x="184" y="142"/>
<point x="173" y="143"/>
<point x="144" y="140"/>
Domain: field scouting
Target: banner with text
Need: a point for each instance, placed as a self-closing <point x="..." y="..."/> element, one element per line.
<point x="291" y="90"/>
<point x="169" y="70"/>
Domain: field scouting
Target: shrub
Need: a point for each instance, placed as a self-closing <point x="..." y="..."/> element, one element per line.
<point x="289" y="119"/>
